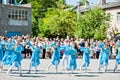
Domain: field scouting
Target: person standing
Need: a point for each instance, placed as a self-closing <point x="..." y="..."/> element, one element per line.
<point x="72" y="64"/>
<point x="56" y="56"/>
<point x="104" y="57"/>
<point x="35" y="59"/>
<point x="86" y="58"/>
<point x="17" y="57"/>
<point x="117" y="57"/>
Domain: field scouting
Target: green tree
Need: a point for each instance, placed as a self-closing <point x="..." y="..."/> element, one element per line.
<point x="93" y="24"/>
<point x="39" y="9"/>
<point x="58" y="22"/>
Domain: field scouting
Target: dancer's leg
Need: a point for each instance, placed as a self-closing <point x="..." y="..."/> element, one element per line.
<point x="116" y="65"/>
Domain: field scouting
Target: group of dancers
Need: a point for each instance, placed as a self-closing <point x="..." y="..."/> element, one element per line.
<point x="12" y="49"/>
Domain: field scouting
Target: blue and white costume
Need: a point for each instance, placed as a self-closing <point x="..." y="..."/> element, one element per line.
<point x="35" y="59"/>
<point x="66" y="54"/>
<point x="86" y="59"/>
<point x="1" y="52"/>
<point x="117" y="57"/>
<point x="1" y="55"/>
<point x="8" y="54"/>
<point x="17" y="55"/>
<point x="16" y="58"/>
<point x="72" y="64"/>
<point x="56" y="55"/>
<point x="101" y="45"/>
<point x="104" y="56"/>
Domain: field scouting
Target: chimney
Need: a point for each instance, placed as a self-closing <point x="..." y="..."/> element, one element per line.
<point x="102" y="2"/>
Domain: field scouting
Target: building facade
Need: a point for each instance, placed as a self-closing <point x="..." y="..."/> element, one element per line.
<point x="15" y="19"/>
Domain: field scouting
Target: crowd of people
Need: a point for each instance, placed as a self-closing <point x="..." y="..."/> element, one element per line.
<point x="13" y="49"/>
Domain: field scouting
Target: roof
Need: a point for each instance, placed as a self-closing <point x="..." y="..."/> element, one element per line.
<point x="111" y="5"/>
<point x="104" y="6"/>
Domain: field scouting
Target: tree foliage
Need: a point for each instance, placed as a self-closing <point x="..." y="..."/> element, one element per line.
<point x="58" y="22"/>
<point x="93" y="24"/>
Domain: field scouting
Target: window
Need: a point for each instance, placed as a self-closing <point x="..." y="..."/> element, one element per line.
<point x="118" y="17"/>
<point x="17" y="14"/>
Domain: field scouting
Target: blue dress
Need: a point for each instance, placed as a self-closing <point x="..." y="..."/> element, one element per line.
<point x="1" y="52"/>
<point x="86" y="58"/>
<point x="101" y="45"/>
<point x="104" y="56"/>
<point x="8" y="54"/>
<point x="67" y="50"/>
<point x="118" y="55"/>
<point x="35" y="59"/>
<point x="56" y="55"/>
<point x="17" y="55"/>
<point x="72" y="60"/>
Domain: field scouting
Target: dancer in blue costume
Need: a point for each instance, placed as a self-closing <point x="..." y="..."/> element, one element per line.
<point x="104" y="57"/>
<point x="17" y="57"/>
<point x="86" y="58"/>
<point x="118" y="56"/>
<point x="35" y="59"/>
<point x="67" y="48"/>
<point x="8" y="53"/>
<point x="56" y="56"/>
<point x="1" y="56"/>
<point x="72" y="64"/>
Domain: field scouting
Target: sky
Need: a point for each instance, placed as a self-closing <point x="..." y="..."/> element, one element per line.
<point x="74" y="2"/>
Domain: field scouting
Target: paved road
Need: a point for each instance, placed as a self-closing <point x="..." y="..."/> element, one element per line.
<point x="92" y="73"/>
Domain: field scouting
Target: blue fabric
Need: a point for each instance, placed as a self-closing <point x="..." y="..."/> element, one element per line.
<point x="35" y="59"/>
<point x="100" y="44"/>
<point x="17" y="56"/>
<point x="118" y="44"/>
<point x="28" y="42"/>
<point x="56" y="55"/>
<point x="72" y="64"/>
<point x="44" y="45"/>
<point x="8" y="54"/>
<point x="86" y="59"/>
<point x="104" y="56"/>
<point x="118" y="56"/>
<point x="1" y="52"/>
<point x="67" y="49"/>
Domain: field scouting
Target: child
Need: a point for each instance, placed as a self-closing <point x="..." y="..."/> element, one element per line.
<point x="86" y="60"/>
<point x="35" y="59"/>
<point x="67" y="49"/>
<point x="56" y="56"/>
<point x="8" y="52"/>
<point x="17" y="57"/>
<point x="117" y="57"/>
<point x="72" y="65"/>
<point x="104" y="56"/>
